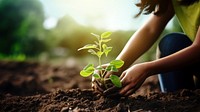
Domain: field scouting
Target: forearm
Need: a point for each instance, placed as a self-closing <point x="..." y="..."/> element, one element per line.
<point x="142" y="40"/>
<point x="175" y="61"/>
<point x="178" y="60"/>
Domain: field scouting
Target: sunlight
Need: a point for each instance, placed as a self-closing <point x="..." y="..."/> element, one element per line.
<point x="50" y="23"/>
<point x="110" y="14"/>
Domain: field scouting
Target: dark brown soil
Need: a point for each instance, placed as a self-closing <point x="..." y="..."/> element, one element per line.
<point x="34" y="87"/>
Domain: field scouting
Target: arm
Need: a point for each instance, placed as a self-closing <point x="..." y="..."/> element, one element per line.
<point x="145" y="37"/>
<point x="140" y="42"/>
<point x="133" y="77"/>
<point x="179" y="59"/>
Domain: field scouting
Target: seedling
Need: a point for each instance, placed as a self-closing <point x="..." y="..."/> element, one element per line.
<point x="100" y="48"/>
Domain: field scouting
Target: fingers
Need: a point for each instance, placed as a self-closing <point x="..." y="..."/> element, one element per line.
<point x="130" y="92"/>
<point x="114" y="89"/>
<point x="122" y="75"/>
<point x="112" y="92"/>
<point x="96" y="85"/>
<point x="124" y="90"/>
<point x="108" y="74"/>
<point x="130" y="88"/>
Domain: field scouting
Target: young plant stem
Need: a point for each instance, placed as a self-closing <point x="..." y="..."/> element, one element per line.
<point x="100" y="56"/>
<point x="104" y="73"/>
<point x="101" y="71"/>
<point x="99" y="50"/>
<point x="100" y="67"/>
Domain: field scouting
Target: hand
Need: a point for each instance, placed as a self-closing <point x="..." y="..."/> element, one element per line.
<point x="131" y="80"/>
<point x="97" y="84"/>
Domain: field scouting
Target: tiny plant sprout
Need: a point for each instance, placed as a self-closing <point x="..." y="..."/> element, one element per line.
<point x="100" y="48"/>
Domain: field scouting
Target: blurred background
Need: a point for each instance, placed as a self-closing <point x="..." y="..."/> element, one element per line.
<point x="53" y="30"/>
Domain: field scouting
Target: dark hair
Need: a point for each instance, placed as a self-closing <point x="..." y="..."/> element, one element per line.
<point x="158" y="6"/>
<point x="187" y="2"/>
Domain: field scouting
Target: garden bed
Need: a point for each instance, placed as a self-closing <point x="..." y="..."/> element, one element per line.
<point x="33" y="87"/>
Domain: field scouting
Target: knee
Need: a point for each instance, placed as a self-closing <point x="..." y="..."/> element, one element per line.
<point x="172" y="43"/>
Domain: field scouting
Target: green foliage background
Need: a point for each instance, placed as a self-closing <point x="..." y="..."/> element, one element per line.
<point x="21" y="28"/>
<point x="22" y="35"/>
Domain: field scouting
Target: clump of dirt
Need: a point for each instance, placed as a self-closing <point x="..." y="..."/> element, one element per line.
<point x="36" y="87"/>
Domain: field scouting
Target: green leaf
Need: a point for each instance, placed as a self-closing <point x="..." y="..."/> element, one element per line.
<point x="111" y="68"/>
<point x="88" y="46"/>
<point x="114" y="69"/>
<point x="106" y="49"/>
<point x="99" y="54"/>
<point x="95" y="35"/>
<point x="89" y="67"/>
<point x="87" y="71"/>
<point x="117" y="63"/>
<point x="84" y="73"/>
<point x="108" y="68"/>
<point x="104" y="46"/>
<point x="105" y="40"/>
<point x="91" y="51"/>
<point x="96" y="76"/>
<point x="106" y="34"/>
<point x="115" y="80"/>
<point x="100" y="68"/>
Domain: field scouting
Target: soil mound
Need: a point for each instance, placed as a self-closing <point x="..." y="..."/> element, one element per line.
<point x="36" y="87"/>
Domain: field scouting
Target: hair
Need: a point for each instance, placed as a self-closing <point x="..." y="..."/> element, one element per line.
<point x="187" y="2"/>
<point x="158" y="6"/>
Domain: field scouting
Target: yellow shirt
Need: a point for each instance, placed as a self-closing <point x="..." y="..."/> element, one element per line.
<point x="189" y="17"/>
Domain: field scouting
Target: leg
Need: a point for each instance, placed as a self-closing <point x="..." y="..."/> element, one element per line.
<point x="179" y="79"/>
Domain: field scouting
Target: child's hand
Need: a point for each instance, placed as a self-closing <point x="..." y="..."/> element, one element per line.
<point x="97" y="84"/>
<point x="131" y="80"/>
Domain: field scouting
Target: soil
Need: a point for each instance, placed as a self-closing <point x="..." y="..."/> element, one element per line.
<point x="36" y="87"/>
